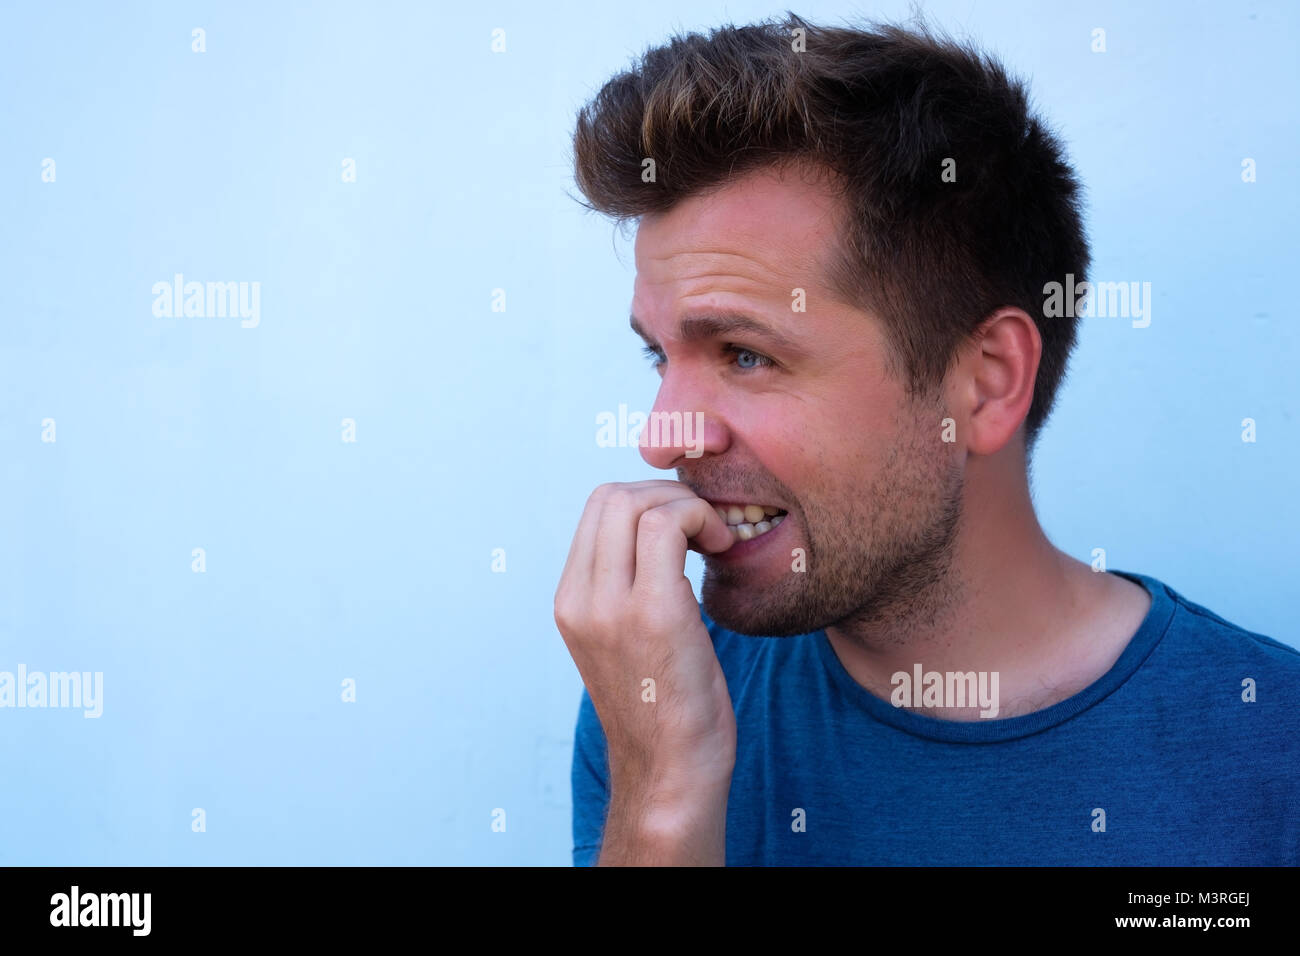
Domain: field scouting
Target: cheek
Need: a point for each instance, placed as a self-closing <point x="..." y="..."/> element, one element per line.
<point x="855" y="430"/>
<point x="829" y="442"/>
<point x="777" y="456"/>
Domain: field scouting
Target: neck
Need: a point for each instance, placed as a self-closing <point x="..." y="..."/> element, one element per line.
<point x="1005" y="601"/>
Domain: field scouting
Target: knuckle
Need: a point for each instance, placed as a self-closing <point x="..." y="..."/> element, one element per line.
<point x="655" y="522"/>
<point x="620" y="498"/>
<point x="569" y="617"/>
<point x="609" y="493"/>
<point x="562" y="619"/>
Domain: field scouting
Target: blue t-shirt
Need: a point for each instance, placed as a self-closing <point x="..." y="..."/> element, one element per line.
<point x="1163" y="750"/>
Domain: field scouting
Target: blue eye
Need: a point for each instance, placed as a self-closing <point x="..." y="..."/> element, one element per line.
<point x="747" y="359"/>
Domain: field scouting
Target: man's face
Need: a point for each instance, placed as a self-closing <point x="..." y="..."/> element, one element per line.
<point x="799" y="412"/>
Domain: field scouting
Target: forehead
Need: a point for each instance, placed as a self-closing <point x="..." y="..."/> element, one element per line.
<point x="770" y="224"/>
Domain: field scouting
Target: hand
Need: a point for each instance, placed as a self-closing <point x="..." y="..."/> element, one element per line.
<point x="626" y="612"/>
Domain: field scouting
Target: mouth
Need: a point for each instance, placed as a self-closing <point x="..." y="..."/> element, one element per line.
<point x="748" y="521"/>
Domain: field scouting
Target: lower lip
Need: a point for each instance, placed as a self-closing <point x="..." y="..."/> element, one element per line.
<point x="744" y="549"/>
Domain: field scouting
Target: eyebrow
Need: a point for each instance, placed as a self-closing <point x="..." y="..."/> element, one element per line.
<point x="716" y="324"/>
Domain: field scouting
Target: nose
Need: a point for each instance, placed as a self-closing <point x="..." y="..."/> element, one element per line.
<point x="681" y="428"/>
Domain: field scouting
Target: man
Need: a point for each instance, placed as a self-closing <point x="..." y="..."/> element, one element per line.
<point x="844" y="239"/>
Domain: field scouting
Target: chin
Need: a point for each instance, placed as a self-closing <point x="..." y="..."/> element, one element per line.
<point x="735" y="611"/>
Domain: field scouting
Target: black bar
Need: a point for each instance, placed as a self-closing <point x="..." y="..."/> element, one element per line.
<point x="336" y="904"/>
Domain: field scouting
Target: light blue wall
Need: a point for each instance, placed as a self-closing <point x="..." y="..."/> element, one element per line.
<point x="475" y="429"/>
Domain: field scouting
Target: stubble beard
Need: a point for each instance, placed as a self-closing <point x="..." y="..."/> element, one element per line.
<point x="879" y="559"/>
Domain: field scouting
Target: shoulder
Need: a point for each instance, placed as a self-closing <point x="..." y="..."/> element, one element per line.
<point x="1195" y="627"/>
<point x="1217" y="674"/>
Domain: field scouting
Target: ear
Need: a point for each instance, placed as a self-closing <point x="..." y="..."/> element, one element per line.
<point x="994" y="380"/>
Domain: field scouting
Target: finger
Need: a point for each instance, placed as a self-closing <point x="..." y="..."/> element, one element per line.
<point x="662" y="537"/>
<point x="616" y="536"/>
<point x="580" y="562"/>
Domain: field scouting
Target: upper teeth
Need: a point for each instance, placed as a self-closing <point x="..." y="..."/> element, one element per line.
<point x="749" y="521"/>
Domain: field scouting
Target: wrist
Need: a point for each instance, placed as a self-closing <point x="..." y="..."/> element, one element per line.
<point x="660" y="829"/>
